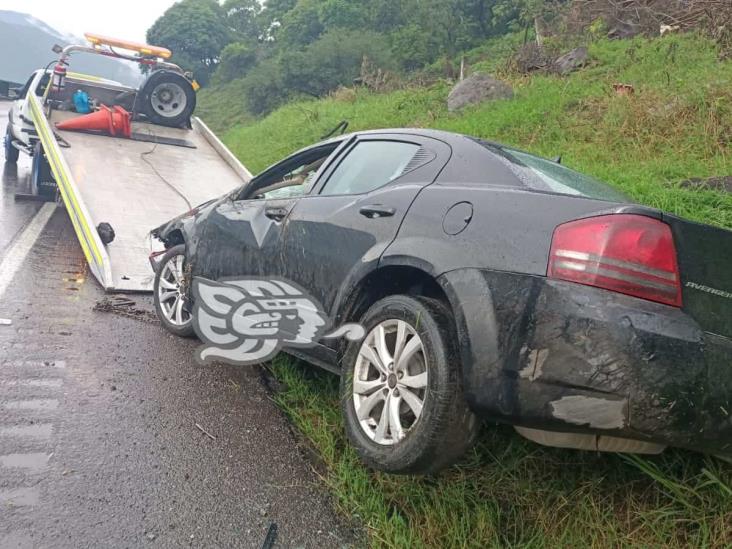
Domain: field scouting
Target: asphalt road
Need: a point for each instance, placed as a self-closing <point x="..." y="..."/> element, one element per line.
<point x="102" y="420"/>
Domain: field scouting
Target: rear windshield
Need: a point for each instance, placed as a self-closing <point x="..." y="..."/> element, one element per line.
<point x="546" y="175"/>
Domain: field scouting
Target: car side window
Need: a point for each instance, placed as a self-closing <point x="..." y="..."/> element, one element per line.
<point x="291" y="178"/>
<point x="24" y="90"/>
<point x="368" y="166"/>
<point x="42" y="84"/>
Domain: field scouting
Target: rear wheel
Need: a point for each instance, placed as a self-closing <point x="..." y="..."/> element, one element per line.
<point x="11" y="153"/>
<point x="401" y="390"/>
<point x="42" y="181"/>
<point x="169" y="291"/>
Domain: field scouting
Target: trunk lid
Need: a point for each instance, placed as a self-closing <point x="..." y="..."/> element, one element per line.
<point x="705" y="263"/>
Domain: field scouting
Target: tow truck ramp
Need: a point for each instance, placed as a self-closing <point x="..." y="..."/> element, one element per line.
<point x="132" y="185"/>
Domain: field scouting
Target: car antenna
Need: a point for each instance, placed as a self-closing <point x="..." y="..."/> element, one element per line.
<point x="342" y="126"/>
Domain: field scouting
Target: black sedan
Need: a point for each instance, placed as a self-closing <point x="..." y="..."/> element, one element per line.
<point x="491" y="284"/>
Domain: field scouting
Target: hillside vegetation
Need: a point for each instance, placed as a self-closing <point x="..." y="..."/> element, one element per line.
<point x="509" y="492"/>
<point x="677" y="125"/>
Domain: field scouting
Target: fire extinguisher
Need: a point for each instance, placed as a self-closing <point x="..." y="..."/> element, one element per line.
<point x="58" y="79"/>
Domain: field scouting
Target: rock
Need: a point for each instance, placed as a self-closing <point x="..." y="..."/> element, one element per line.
<point x="476" y="89"/>
<point x="570" y="62"/>
<point x="623" y="30"/>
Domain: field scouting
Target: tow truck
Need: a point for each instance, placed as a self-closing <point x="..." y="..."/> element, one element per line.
<point x="115" y="189"/>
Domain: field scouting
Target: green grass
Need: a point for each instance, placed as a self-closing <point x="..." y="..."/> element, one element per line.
<point x="221" y="107"/>
<point x="510" y="492"/>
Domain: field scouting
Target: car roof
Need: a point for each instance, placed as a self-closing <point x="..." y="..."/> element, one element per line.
<point x="442" y="135"/>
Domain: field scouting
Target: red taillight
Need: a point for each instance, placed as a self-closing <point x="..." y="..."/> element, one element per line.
<point x="630" y="254"/>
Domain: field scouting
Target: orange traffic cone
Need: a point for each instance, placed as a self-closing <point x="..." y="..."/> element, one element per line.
<point x="115" y="121"/>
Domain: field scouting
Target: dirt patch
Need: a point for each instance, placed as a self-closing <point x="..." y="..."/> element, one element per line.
<point x="723" y="184"/>
<point x="124" y="306"/>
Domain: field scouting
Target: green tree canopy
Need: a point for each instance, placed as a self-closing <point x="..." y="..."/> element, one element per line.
<point x="237" y="59"/>
<point x="196" y="31"/>
<point x="333" y="60"/>
<point x="282" y="48"/>
<point x="243" y="18"/>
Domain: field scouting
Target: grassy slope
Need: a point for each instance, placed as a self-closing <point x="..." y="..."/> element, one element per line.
<point x="509" y="491"/>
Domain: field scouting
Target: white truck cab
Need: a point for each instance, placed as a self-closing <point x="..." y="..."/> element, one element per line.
<point x="21" y="133"/>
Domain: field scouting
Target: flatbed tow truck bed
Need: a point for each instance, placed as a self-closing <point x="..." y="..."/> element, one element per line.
<point x="132" y="185"/>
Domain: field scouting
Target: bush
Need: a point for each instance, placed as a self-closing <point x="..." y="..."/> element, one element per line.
<point x="263" y="90"/>
<point x="237" y="60"/>
<point x="333" y="60"/>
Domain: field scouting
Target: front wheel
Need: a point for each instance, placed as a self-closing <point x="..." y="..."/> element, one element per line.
<point x="401" y="389"/>
<point x="169" y="292"/>
<point x="11" y="153"/>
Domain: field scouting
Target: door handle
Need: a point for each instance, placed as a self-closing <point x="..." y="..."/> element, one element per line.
<point x="277" y="214"/>
<point x="374" y="211"/>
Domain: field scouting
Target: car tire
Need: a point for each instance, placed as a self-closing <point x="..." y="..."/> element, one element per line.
<point x="11" y="153"/>
<point x="167" y="99"/>
<point x="42" y="180"/>
<point x="445" y="427"/>
<point x="169" y="290"/>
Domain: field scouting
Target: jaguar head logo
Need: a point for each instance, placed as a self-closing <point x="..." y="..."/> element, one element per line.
<point x="247" y="321"/>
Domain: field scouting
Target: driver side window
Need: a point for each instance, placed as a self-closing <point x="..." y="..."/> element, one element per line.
<point x="24" y="90"/>
<point x="291" y="178"/>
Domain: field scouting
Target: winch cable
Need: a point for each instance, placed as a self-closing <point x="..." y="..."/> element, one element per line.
<point x="162" y="178"/>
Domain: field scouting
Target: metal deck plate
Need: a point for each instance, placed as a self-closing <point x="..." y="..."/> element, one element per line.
<point x="125" y="187"/>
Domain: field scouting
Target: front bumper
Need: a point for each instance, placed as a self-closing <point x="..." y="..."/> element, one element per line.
<point x="559" y="356"/>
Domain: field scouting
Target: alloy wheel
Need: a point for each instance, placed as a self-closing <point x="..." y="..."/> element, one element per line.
<point x="390" y="381"/>
<point x="171" y="294"/>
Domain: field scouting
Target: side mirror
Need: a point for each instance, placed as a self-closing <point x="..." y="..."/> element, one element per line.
<point x="57" y="49"/>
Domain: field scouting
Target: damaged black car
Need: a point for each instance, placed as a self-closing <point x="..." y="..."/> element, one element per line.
<point x="491" y="284"/>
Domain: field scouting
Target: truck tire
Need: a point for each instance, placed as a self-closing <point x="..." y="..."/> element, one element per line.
<point x="407" y="415"/>
<point x="169" y="290"/>
<point x="11" y="153"/>
<point x="43" y="183"/>
<point x="168" y="99"/>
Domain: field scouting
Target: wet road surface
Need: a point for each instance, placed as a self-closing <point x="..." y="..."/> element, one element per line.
<point x="102" y="420"/>
<point x="13" y="215"/>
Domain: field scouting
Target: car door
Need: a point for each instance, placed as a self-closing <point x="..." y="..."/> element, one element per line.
<point x="337" y="233"/>
<point x="242" y="236"/>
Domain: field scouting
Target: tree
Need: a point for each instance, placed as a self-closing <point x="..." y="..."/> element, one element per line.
<point x="237" y="59"/>
<point x="414" y="48"/>
<point x="333" y="60"/>
<point x="243" y="18"/>
<point x="196" y="31"/>
<point x="301" y="25"/>
<point x="346" y="14"/>
<point x="263" y="89"/>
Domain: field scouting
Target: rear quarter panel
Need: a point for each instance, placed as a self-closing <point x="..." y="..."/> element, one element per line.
<point x="510" y="228"/>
